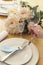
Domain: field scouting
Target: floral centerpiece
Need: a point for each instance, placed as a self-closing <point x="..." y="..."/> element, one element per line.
<point x="26" y="14"/>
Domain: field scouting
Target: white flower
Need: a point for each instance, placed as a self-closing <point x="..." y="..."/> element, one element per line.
<point x="42" y="22"/>
<point x="25" y="13"/>
<point x="12" y="23"/>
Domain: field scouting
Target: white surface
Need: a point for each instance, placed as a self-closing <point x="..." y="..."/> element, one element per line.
<point x="35" y="57"/>
<point x="24" y="55"/>
<point x="4" y="2"/>
<point x="3" y="11"/>
<point x="31" y="2"/>
<point x="5" y="7"/>
<point x="3" y="14"/>
<point x="3" y="34"/>
<point x="13" y="4"/>
<point x="36" y="2"/>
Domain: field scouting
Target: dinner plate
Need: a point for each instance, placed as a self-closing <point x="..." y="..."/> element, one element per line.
<point x="35" y="57"/>
<point x="20" y="57"/>
<point x="3" y="14"/>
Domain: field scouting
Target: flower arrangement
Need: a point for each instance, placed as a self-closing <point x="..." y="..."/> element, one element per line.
<point x="26" y="14"/>
<point x="37" y="16"/>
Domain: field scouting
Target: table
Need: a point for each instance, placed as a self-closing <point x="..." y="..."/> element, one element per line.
<point x="38" y="42"/>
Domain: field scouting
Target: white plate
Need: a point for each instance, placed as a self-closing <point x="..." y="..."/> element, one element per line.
<point x="2" y="14"/>
<point x="7" y="6"/>
<point x="24" y="55"/>
<point x="35" y="57"/>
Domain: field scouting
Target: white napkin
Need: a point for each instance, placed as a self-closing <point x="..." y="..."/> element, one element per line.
<point x="3" y="34"/>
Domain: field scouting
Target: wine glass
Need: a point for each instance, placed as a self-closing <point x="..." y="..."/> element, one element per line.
<point x="34" y="34"/>
<point x="21" y="27"/>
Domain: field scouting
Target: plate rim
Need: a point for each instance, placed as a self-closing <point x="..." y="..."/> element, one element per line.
<point x="37" y="54"/>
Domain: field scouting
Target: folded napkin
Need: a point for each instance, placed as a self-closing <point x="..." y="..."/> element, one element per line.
<point x="3" y="35"/>
<point x="7" y="48"/>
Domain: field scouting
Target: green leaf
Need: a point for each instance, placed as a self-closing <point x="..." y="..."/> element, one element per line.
<point x="29" y="7"/>
<point x="35" y="9"/>
<point x="23" y="3"/>
<point x="41" y="14"/>
<point x="25" y="28"/>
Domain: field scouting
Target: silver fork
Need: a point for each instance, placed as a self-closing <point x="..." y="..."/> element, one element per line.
<point x="19" y="49"/>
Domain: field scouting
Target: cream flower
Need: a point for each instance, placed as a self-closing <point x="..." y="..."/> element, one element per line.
<point x="25" y="13"/>
<point x="12" y="23"/>
<point x="42" y="22"/>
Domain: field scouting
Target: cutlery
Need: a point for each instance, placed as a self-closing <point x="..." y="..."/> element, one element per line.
<point x="15" y="51"/>
<point x="4" y="13"/>
<point x="3" y="7"/>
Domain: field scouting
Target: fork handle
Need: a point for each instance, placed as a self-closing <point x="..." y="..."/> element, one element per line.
<point x="3" y="59"/>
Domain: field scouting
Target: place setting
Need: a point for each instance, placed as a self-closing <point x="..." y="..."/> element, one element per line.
<point x="18" y="51"/>
<point x="21" y="19"/>
<point x="8" y="6"/>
